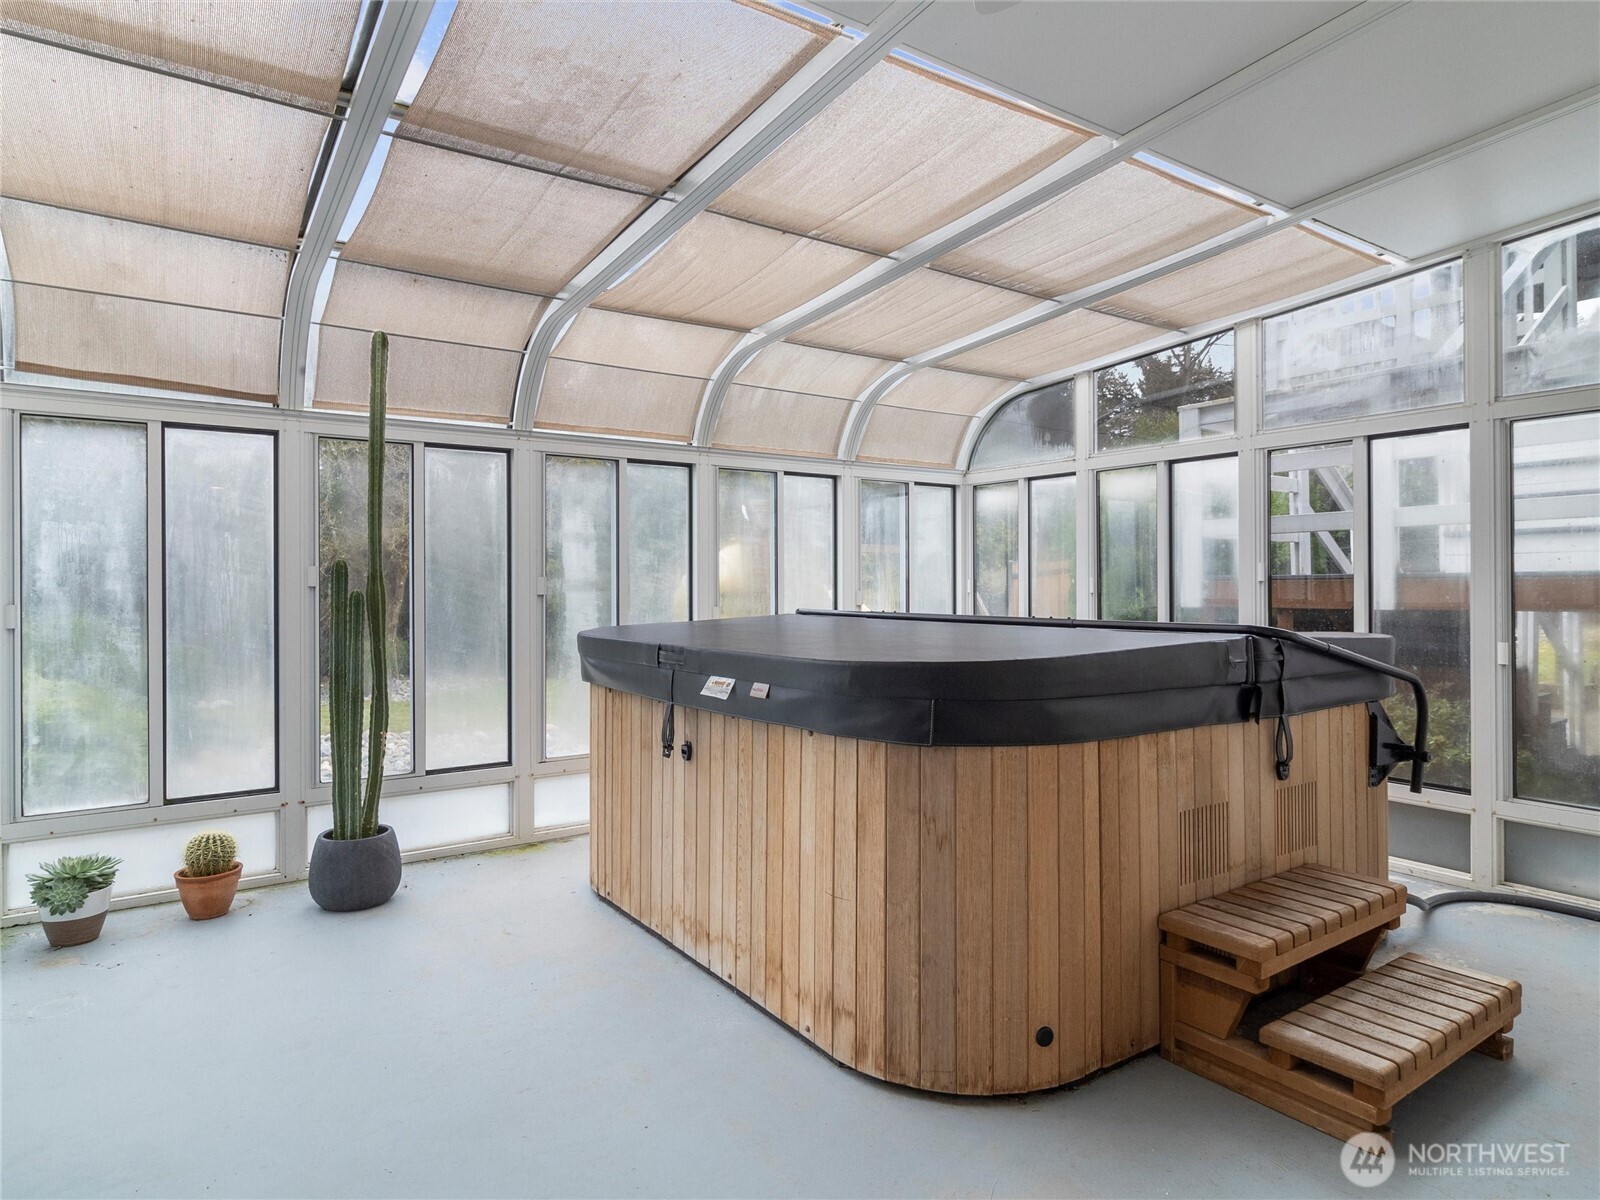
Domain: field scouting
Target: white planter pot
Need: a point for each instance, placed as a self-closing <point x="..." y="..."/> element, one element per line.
<point x="76" y="928"/>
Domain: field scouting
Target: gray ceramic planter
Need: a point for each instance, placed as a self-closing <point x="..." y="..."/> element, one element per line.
<point x="351" y="875"/>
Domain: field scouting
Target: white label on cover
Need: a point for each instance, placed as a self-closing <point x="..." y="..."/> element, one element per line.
<point x="758" y="691"/>
<point x="718" y="687"/>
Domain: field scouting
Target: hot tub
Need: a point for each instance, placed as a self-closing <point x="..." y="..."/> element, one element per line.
<point x="937" y="849"/>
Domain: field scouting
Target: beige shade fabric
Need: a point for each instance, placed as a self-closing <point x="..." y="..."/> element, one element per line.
<point x="900" y="154"/>
<point x="628" y="90"/>
<point x="912" y="437"/>
<point x="785" y="366"/>
<point x="98" y="254"/>
<point x="916" y="312"/>
<point x="1055" y="345"/>
<point x="1127" y="217"/>
<point x="645" y="344"/>
<point x="421" y="306"/>
<point x="1276" y="267"/>
<point x="726" y="272"/>
<point x="142" y="343"/>
<point x="781" y="422"/>
<point x="85" y="133"/>
<point x="426" y="379"/>
<point x="468" y="218"/>
<point x="593" y="398"/>
<point x="956" y="392"/>
<point x="291" y="49"/>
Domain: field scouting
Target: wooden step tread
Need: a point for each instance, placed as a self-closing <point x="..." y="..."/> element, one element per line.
<point x="1274" y="916"/>
<point x="1393" y="1022"/>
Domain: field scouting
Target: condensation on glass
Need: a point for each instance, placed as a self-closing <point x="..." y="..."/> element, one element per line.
<point x="658" y="542"/>
<point x="1421" y="572"/>
<point x="1033" y="428"/>
<point x="580" y="555"/>
<point x="1178" y="395"/>
<point x="1128" y="544"/>
<point x="466" y="610"/>
<point x="85" y="681"/>
<point x="1205" y="539"/>
<point x="933" y="548"/>
<point x="220" y="543"/>
<point x="996" y="550"/>
<point x="806" y="565"/>
<point x="1550" y="309"/>
<point x="1311" y="499"/>
<point x="342" y="534"/>
<point x="1555" y="548"/>
<point x="884" y="518"/>
<point x="747" y="559"/>
<point x="1387" y="348"/>
<point x="1053" y="546"/>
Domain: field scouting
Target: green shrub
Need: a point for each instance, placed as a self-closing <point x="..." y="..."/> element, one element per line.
<point x="209" y="853"/>
<point x="61" y="887"/>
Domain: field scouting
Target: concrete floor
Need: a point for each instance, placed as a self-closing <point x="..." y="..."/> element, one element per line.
<point x="497" y="1031"/>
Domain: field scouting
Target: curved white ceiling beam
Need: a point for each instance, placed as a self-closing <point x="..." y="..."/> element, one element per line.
<point x="833" y="70"/>
<point x="395" y="35"/>
<point x="1089" y="160"/>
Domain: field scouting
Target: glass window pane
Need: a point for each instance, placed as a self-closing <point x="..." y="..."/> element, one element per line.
<point x="580" y="554"/>
<point x="1555" y="546"/>
<point x="1053" y="558"/>
<point x="658" y="542"/>
<point x="806" y="571"/>
<point x="1205" y="540"/>
<point x="1421" y="569"/>
<point x="1176" y="395"/>
<point x="1312" y="585"/>
<point x="466" y="587"/>
<point x="221" y="612"/>
<point x="883" y="546"/>
<point x="933" y="548"/>
<point x="1550" y="309"/>
<point x="1037" y="427"/>
<point x="85" y="685"/>
<point x="1128" y="589"/>
<point x="997" y="592"/>
<point x="342" y="533"/>
<point x="1394" y="346"/>
<point x="746" y="543"/>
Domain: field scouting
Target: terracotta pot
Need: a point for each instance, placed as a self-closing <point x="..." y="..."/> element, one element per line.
<point x="208" y="896"/>
<point x="77" y="928"/>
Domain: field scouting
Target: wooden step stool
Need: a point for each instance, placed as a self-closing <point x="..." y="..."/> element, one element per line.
<point x="1340" y="1062"/>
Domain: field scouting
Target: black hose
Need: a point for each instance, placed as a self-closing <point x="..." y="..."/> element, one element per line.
<point x="1543" y="904"/>
<point x="1419" y="753"/>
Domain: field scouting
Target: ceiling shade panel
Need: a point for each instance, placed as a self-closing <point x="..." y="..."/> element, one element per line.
<point x="785" y="366"/>
<point x="289" y="49"/>
<point x="594" y="398"/>
<point x="726" y="272"/>
<point x="914" y="313"/>
<point x="912" y="437"/>
<point x="1055" y="345"/>
<point x="634" y="91"/>
<point x="780" y="422"/>
<point x="955" y="392"/>
<point x="122" y="258"/>
<point x="85" y="133"/>
<point x="1276" y="267"/>
<point x="422" y="306"/>
<point x="144" y="343"/>
<point x="645" y="344"/>
<point x="468" y="218"/>
<point x="898" y="155"/>
<point x="426" y="378"/>
<point x="1128" y="217"/>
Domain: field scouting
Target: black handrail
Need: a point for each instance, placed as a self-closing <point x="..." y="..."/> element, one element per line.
<point x="1418" y="752"/>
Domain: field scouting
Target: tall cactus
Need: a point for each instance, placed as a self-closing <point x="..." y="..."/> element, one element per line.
<point x="355" y="620"/>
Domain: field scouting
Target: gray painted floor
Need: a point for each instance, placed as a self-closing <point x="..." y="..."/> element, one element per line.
<point x="497" y="1031"/>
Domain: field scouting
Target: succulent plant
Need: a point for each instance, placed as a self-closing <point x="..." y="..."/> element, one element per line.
<point x="209" y="853"/>
<point x="61" y="887"/>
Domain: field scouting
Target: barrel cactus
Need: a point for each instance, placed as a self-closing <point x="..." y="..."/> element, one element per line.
<point x="209" y="853"/>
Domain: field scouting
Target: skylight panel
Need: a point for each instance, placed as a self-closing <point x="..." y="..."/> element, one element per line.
<point x="915" y="313"/>
<point x="1058" y="344"/>
<point x="793" y="399"/>
<point x="785" y="365"/>
<point x="956" y="392"/>
<point x="912" y="437"/>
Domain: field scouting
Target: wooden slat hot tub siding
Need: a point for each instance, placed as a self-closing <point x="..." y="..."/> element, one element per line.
<point x="920" y="912"/>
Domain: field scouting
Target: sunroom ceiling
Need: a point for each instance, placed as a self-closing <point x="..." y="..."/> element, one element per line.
<point x="793" y="399"/>
<point x="1054" y="345"/>
<point x="923" y="418"/>
<point x="914" y="313"/>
